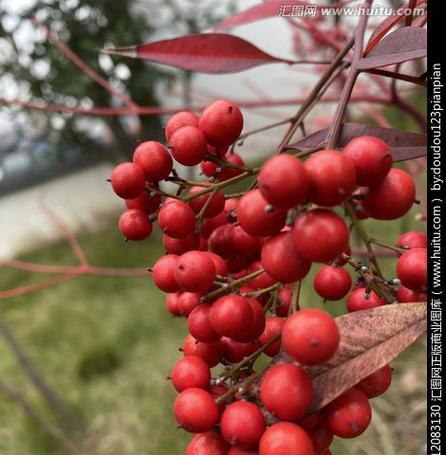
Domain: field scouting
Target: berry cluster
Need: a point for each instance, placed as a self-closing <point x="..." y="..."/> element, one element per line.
<point x="233" y="268"/>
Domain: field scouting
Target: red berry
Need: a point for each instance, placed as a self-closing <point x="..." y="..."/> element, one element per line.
<point x="176" y="219"/>
<point x="230" y="316"/>
<point x="273" y="327"/>
<point x="195" y="410"/>
<point x="321" y="437"/>
<point x="211" y="353"/>
<point x="188" y="145"/>
<point x="372" y="159"/>
<point x="127" y="180"/>
<point x="195" y="271"/>
<point x="257" y="323"/>
<point x="242" y="424"/>
<point x="207" y="444"/>
<point x="340" y="260"/>
<point x="349" y="415"/>
<point x="412" y="239"/>
<point x="210" y="224"/>
<point x="377" y="383"/>
<point x="221" y="242"/>
<point x="163" y="273"/>
<point x="320" y="235"/>
<point x="215" y="207"/>
<point x="180" y="246"/>
<point x="332" y="283"/>
<point x="411" y="269"/>
<point x="260" y="281"/>
<point x="244" y="242"/>
<point x="283" y="181"/>
<point x="285" y="438"/>
<point x="219" y="263"/>
<point x="199" y="324"/>
<point x="286" y="391"/>
<point x="360" y="299"/>
<point x="178" y="120"/>
<point x="146" y="202"/>
<point x="283" y="302"/>
<point x="310" y="421"/>
<point x="172" y="304"/>
<point x="135" y="225"/>
<point x="234" y="351"/>
<point x="190" y="371"/>
<point x="228" y="172"/>
<point x="310" y="336"/>
<point x="332" y="177"/>
<point x="221" y="123"/>
<point x="405" y="295"/>
<point x="187" y="301"/>
<point x="257" y="217"/>
<point x="392" y="198"/>
<point x="154" y="160"/>
<point x="281" y="260"/>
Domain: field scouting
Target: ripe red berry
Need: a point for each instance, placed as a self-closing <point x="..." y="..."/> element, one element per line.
<point x="377" y="383"/>
<point x="273" y="327"/>
<point x="283" y="181"/>
<point x="230" y="316"/>
<point x="332" y="177"/>
<point x="195" y="271"/>
<point x="286" y="391"/>
<point x="180" y="246"/>
<point x="221" y="123"/>
<point x="360" y="299"/>
<point x="135" y="225"/>
<point x="320" y="235"/>
<point x="285" y="438"/>
<point x="176" y="219"/>
<point x="196" y="410"/>
<point x="310" y="421"/>
<point x="310" y="336"/>
<point x="221" y="242"/>
<point x="207" y="444"/>
<point x="187" y="301"/>
<point x="234" y="351"/>
<point x="260" y="281"/>
<point x="163" y="273"/>
<point x="211" y="353"/>
<point x="219" y="263"/>
<point x="190" y="371"/>
<point x="321" y="437"/>
<point x="216" y="205"/>
<point x="281" y="260"/>
<point x="178" y="120"/>
<point x="146" y="202"/>
<point x="199" y="324"/>
<point x="229" y="172"/>
<point x="283" y="302"/>
<point x="257" y="217"/>
<point x="242" y="424"/>
<point x="405" y="295"/>
<point x="172" y="304"/>
<point x="412" y="239"/>
<point x="127" y="180"/>
<point x="392" y="198"/>
<point x="154" y="160"/>
<point x="349" y="415"/>
<point x="411" y="269"/>
<point x="244" y="242"/>
<point x="257" y="323"/>
<point x="372" y="159"/>
<point x="332" y="283"/>
<point x="188" y="145"/>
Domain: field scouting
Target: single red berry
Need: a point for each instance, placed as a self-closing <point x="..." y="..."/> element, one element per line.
<point x="127" y="180"/>
<point x="332" y="177"/>
<point x="172" y="304"/>
<point x="234" y="351"/>
<point x="242" y="424"/>
<point x="283" y="181"/>
<point x="199" y="324"/>
<point x="321" y="438"/>
<point x="244" y="242"/>
<point x="283" y="302"/>
<point x="221" y="242"/>
<point x="257" y="323"/>
<point x="196" y="410"/>
<point x="135" y="225"/>
<point x="411" y="269"/>
<point x="221" y="123"/>
<point x="146" y="202"/>
<point x="229" y="172"/>
<point x="207" y="444"/>
<point x="209" y="168"/>
<point x="154" y="160"/>
<point x="178" y="120"/>
<point x="180" y="246"/>
<point x="219" y="263"/>
<point x="349" y="415"/>
<point x="285" y="438"/>
<point x="286" y="391"/>
<point x="188" y="145"/>
<point x="392" y="198"/>
<point x="372" y="159"/>
<point x="257" y="217"/>
<point x="332" y="283"/>
<point x="412" y="239"/>
<point x="282" y="261"/>
<point x="190" y="371"/>
<point x="320" y="235"/>
<point x="273" y="327"/>
<point x="195" y="271"/>
<point x="377" y="383"/>
<point x="176" y="219"/>
<point x="361" y="299"/>
<point x="310" y="336"/>
<point x="216" y="205"/>
<point x="211" y="353"/>
<point x="187" y="301"/>
<point x="405" y="295"/>
<point x="163" y="273"/>
<point x="310" y="421"/>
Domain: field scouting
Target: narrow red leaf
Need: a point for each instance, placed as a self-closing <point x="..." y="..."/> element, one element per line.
<point x="204" y="52"/>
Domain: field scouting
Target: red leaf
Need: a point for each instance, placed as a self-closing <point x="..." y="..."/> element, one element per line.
<point x="204" y="52"/>
<point x="406" y="43"/>
<point x="404" y="145"/>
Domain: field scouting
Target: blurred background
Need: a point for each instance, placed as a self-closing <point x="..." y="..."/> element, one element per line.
<point x="86" y="360"/>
